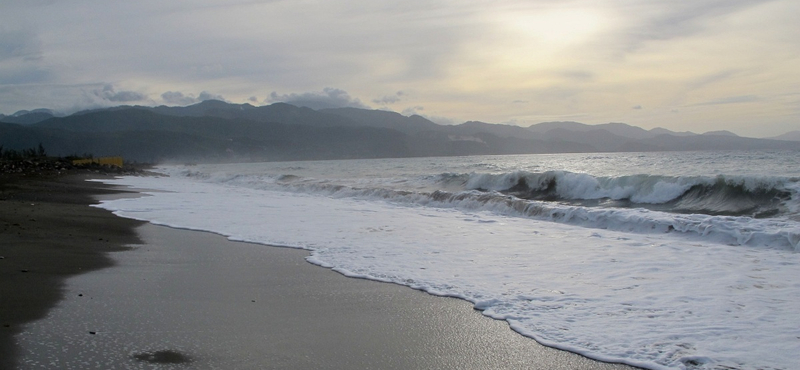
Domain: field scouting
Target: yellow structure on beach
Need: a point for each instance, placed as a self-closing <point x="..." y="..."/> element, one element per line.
<point x="112" y="161"/>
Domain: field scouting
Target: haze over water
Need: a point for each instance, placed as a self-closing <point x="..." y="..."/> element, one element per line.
<point x="660" y="260"/>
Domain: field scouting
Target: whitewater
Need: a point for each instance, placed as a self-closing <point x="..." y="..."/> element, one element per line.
<point x="685" y="260"/>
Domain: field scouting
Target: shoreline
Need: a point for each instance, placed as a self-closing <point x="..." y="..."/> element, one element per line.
<point x="299" y="315"/>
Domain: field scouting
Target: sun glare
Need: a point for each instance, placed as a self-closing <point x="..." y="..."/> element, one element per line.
<point x="554" y="28"/>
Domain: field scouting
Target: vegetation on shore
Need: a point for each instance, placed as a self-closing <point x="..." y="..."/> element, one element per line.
<point x="36" y="162"/>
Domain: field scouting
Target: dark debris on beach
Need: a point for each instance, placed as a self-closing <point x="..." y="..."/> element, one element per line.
<point x="57" y="166"/>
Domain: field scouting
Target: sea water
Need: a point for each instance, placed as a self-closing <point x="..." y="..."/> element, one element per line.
<point x="683" y="260"/>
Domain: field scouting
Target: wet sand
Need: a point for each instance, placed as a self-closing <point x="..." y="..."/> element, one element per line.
<point x="185" y="299"/>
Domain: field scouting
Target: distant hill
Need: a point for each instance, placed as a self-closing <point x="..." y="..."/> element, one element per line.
<point x="619" y="129"/>
<point x="25" y="117"/>
<point x="790" y="136"/>
<point x="661" y="131"/>
<point x="385" y="119"/>
<point x="507" y="131"/>
<point x="720" y="133"/>
<point x="215" y="131"/>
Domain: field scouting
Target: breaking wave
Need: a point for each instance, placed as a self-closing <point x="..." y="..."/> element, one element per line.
<point x="757" y="197"/>
<point x="736" y="211"/>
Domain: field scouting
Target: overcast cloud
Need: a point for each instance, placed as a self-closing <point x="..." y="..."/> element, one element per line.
<point x="702" y="65"/>
<point x="178" y="98"/>
<point x="327" y="98"/>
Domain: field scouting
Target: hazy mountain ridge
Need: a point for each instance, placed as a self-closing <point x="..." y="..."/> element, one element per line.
<point x="219" y="131"/>
<point x="789" y="136"/>
<point x="386" y="119"/>
<point x="25" y="117"/>
<point x="720" y="133"/>
<point x="618" y="129"/>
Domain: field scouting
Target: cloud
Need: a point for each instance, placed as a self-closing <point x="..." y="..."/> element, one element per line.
<point x="92" y="96"/>
<point x="110" y="94"/>
<point x="389" y="99"/>
<point x="328" y="98"/>
<point x="712" y="79"/>
<point x="21" y="58"/>
<point x="731" y="100"/>
<point x="581" y="76"/>
<point x="205" y="95"/>
<point x="21" y="75"/>
<point x="662" y="21"/>
<point x="410" y="111"/>
<point x="178" y="98"/>
<point x="18" y="44"/>
<point x="457" y="59"/>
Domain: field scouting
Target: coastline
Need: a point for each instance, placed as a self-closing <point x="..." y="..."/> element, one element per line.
<point x="249" y="306"/>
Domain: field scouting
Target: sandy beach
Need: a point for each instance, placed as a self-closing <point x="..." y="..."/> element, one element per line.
<point x="82" y="288"/>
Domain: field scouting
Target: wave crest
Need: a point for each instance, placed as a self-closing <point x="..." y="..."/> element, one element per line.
<point x="734" y="196"/>
<point x="717" y="208"/>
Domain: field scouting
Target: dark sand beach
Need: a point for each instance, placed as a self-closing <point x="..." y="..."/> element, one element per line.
<point x="48" y="234"/>
<point x="82" y="288"/>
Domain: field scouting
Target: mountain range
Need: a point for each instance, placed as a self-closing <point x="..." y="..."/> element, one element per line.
<point x="216" y="131"/>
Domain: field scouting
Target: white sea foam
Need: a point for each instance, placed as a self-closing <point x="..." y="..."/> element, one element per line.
<point x="632" y="293"/>
<point x="777" y="233"/>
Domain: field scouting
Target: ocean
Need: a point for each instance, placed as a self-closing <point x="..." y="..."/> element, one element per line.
<point x="679" y="260"/>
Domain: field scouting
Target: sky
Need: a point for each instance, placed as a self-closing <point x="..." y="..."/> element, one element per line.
<point x="699" y="65"/>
